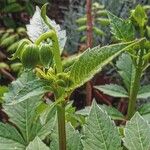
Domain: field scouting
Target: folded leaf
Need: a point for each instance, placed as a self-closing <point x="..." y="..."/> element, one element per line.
<point x="92" y="61"/>
<point x="37" y="144"/>
<point x="144" y="91"/>
<point x="113" y="90"/>
<point x="100" y="131"/>
<point x="137" y="134"/>
<point x="122" y="29"/>
<point x="26" y="86"/>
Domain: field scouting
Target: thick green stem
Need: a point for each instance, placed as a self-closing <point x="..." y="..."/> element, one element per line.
<point x="61" y="127"/>
<point x="135" y="88"/>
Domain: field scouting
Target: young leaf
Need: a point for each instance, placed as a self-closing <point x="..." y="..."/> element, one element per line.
<point x="113" y="90"/>
<point x="144" y="92"/>
<point x="37" y="27"/>
<point x="145" y="109"/>
<point x="37" y="144"/>
<point x="26" y="86"/>
<point x="73" y="139"/>
<point x="137" y="133"/>
<point x="92" y="61"/>
<point x="126" y="69"/>
<point x="10" y="138"/>
<point x="139" y="16"/>
<point x="122" y="29"/>
<point x="100" y="132"/>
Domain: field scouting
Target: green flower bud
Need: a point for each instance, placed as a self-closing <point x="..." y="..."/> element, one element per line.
<point x="46" y="55"/>
<point x="30" y="56"/>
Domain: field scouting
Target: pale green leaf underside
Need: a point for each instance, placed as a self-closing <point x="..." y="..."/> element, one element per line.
<point x="100" y="131"/>
<point x="37" y="144"/>
<point x="92" y="61"/>
<point x="26" y="86"/>
<point x="144" y="91"/>
<point x="113" y="90"/>
<point x="137" y="134"/>
<point x="121" y="29"/>
<point x="37" y="27"/>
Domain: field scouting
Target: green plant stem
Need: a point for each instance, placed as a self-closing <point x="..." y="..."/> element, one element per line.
<point x="61" y="126"/>
<point x="135" y="88"/>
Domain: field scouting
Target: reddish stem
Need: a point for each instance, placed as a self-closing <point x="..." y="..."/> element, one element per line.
<point x="89" y="43"/>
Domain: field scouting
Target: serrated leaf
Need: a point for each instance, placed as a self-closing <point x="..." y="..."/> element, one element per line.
<point x="113" y="90"/>
<point x="26" y="86"/>
<point x="111" y="111"/>
<point x="37" y="144"/>
<point x="122" y="29"/>
<point x="100" y="131"/>
<point x="23" y="115"/>
<point x="144" y="91"/>
<point x="10" y="138"/>
<point x="92" y="61"/>
<point x="73" y="139"/>
<point x="126" y="69"/>
<point x="37" y="27"/>
<point x="137" y="133"/>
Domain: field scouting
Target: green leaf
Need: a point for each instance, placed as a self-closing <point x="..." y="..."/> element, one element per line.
<point x="137" y="133"/>
<point x="92" y="61"/>
<point x="3" y="89"/>
<point x="122" y="29"/>
<point x="37" y="144"/>
<point x="37" y="27"/>
<point x="111" y="111"/>
<point x="144" y="91"/>
<point x="26" y="86"/>
<point x="126" y="69"/>
<point x="144" y="109"/>
<point x="23" y="115"/>
<point x="13" y="7"/>
<point x="139" y="16"/>
<point x="73" y="139"/>
<point x="4" y="66"/>
<point x="10" y="138"/>
<point x="100" y="131"/>
<point x="113" y="90"/>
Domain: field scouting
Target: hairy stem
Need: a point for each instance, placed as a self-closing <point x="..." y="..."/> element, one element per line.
<point x="135" y="88"/>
